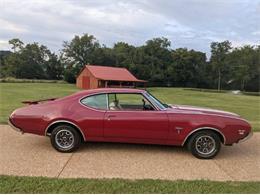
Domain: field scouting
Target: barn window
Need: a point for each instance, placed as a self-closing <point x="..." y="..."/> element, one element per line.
<point x="96" y="101"/>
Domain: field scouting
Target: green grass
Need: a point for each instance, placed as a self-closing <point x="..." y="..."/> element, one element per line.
<point x="246" y="105"/>
<point x="14" y="184"/>
<point x="12" y="94"/>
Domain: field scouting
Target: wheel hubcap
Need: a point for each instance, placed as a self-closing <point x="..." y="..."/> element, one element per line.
<point x="64" y="139"/>
<point x="205" y="144"/>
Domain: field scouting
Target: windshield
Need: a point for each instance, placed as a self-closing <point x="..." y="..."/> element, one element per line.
<point x="154" y="100"/>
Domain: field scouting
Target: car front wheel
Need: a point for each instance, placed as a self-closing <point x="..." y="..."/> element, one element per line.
<point x="204" y="144"/>
<point x="65" y="138"/>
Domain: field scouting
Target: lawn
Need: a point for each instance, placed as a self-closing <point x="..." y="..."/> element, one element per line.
<point x="14" y="184"/>
<point x="12" y="94"/>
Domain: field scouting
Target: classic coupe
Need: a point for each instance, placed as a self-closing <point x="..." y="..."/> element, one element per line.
<point x="129" y="116"/>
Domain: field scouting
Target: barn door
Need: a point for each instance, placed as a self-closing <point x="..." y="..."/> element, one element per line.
<point x="85" y="82"/>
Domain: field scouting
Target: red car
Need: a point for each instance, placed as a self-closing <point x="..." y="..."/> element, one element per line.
<point x="132" y="116"/>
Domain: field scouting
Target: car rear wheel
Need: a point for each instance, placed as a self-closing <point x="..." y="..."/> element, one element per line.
<point x="65" y="138"/>
<point x="204" y="144"/>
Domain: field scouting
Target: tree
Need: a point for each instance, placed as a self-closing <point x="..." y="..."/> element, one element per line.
<point x="33" y="61"/>
<point x="3" y="66"/>
<point x="69" y="74"/>
<point x="53" y="67"/>
<point x="245" y="63"/>
<point x="158" y="51"/>
<point x="16" y="44"/>
<point x="188" y="68"/>
<point x="104" y="56"/>
<point x="155" y="61"/>
<point x="219" y="51"/>
<point x="29" y="62"/>
<point x="155" y="56"/>
<point x="123" y="54"/>
<point x="81" y="50"/>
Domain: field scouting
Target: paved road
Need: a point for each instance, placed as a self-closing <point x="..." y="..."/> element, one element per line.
<point x="31" y="155"/>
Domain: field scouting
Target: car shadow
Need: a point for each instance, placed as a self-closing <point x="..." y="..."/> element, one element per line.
<point x="111" y="146"/>
<point x="227" y="152"/>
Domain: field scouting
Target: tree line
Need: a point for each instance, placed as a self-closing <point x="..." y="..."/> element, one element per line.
<point x="155" y="61"/>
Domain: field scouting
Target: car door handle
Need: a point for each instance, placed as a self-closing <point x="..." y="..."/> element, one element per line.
<point x="110" y="116"/>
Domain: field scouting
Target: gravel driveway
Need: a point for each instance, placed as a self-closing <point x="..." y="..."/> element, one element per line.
<point x="32" y="155"/>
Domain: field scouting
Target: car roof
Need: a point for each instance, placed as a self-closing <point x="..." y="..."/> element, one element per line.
<point x="110" y="90"/>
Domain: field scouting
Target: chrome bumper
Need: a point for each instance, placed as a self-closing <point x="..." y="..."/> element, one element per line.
<point x="247" y="137"/>
<point x="14" y="127"/>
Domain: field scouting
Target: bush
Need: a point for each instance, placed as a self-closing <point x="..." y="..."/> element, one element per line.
<point x="14" y="80"/>
<point x="69" y="75"/>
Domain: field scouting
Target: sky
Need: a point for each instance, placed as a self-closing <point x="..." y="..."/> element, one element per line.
<point x="193" y="24"/>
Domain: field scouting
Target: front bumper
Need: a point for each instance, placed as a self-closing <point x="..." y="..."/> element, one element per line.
<point x="14" y="127"/>
<point x="246" y="138"/>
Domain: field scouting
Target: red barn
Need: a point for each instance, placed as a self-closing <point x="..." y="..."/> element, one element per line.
<point x="94" y="76"/>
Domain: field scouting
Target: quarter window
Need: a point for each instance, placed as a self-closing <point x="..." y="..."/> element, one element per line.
<point x="96" y="101"/>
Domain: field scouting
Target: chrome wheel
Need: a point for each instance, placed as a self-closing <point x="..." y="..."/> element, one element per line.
<point x="64" y="139"/>
<point x="205" y="145"/>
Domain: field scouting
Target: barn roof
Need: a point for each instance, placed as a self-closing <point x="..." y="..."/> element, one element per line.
<point x="111" y="73"/>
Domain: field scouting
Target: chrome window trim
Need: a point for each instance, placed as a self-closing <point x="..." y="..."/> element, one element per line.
<point x="107" y="101"/>
<point x="147" y="97"/>
<point x="64" y="121"/>
<point x="107" y="93"/>
<point x="205" y="128"/>
<point x="155" y="105"/>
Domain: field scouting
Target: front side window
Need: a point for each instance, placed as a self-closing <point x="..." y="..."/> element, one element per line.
<point x="128" y="101"/>
<point x="96" y="101"/>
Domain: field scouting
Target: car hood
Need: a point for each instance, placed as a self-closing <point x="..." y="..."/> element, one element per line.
<point x="195" y="109"/>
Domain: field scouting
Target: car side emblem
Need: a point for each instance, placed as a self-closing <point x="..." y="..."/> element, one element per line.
<point x="179" y="129"/>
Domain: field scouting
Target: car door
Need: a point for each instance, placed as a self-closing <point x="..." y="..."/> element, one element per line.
<point x="129" y="120"/>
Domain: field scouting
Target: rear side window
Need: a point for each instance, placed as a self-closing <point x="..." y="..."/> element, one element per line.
<point x="96" y="101"/>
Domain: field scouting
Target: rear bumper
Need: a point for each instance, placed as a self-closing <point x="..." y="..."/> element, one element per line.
<point x="247" y="137"/>
<point x="14" y="127"/>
